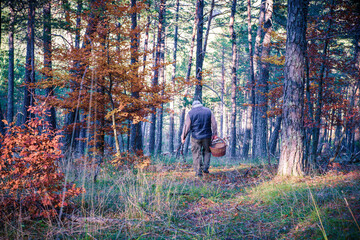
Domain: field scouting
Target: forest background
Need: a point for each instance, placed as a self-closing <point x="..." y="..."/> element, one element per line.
<point x="91" y="86"/>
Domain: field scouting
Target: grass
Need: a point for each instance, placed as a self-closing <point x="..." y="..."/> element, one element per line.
<point x="236" y="201"/>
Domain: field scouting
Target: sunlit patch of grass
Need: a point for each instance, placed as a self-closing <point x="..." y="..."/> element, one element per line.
<point x="286" y="204"/>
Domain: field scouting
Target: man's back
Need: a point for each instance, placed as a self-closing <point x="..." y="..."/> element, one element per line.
<point x="200" y="122"/>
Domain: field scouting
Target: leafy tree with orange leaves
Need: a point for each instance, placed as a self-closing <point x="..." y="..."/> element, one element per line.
<point x="105" y="80"/>
<point x="30" y="179"/>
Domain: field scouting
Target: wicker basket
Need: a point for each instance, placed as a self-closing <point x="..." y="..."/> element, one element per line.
<point x="218" y="148"/>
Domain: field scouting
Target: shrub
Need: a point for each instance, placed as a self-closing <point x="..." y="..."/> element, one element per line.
<point x="130" y="160"/>
<point x="30" y="179"/>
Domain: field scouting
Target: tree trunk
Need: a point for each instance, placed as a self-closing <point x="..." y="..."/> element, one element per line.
<point x="2" y="125"/>
<point x="310" y="108"/>
<point x="338" y="129"/>
<point x="357" y="68"/>
<point x="10" y="96"/>
<point x="0" y="22"/>
<point x="275" y="136"/>
<point x="181" y="124"/>
<point x="208" y="28"/>
<point x="222" y="92"/>
<point x="256" y="74"/>
<point x="187" y="79"/>
<point x="350" y="125"/>
<point x="251" y="87"/>
<point x="82" y="132"/>
<point x="48" y="61"/>
<point x="331" y="127"/>
<point x="186" y="145"/>
<point x="316" y="130"/>
<point x="135" y="132"/>
<point x="100" y="109"/>
<point x="99" y="131"/>
<point x="233" y="82"/>
<point x="146" y="40"/>
<point x="72" y="117"/>
<point x="78" y="22"/>
<point x="159" y="133"/>
<point x="251" y="90"/>
<point x="159" y="137"/>
<point x="30" y="64"/>
<point x="262" y="86"/>
<point x="155" y="80"/>
<point x="172" y="125"/>
<point x="199" y="49"/>
<point x="146" y="45"/>
<point x="292" y="134"/>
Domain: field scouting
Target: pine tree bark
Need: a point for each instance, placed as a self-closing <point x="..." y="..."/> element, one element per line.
<point x="146" y="39"/>
<point x="82" y="132"/>
<point x="350" y="132"/>
<point x="274" y="137"/>
<point x="256" y="59"/>
<point x="146" y="45"/>
<point x="208" y="28"/>
<point x="262" y="86"/>
<point x="78" y="22"/>
<point x="155" y="80"/>
<point x="135" y="132"/>
<point x="187" y="79"/>
<point x="338" y="129"/>
<point x="308" y="131"/>
<point x="172" y="122"/>
<point x="251" y="87"/>
<point x="10" y="96"/>
<point x="222" y="92"/>
<point x="48" y="60"/>
<point x="159" y="137"/>
<point x="30" y="64"/>
<point x="199" y="49"/>
<point x="292" y="134"/>
<point x="233" y="82"/>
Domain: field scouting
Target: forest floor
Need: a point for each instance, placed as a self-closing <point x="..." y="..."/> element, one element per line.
<point x="235" y="201"/>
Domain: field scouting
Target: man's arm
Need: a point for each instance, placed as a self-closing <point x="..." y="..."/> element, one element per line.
<point x="213" y="126"/>
<point x="186" y="128"/>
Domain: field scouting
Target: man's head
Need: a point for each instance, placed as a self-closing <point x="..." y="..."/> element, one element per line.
<point x="196" y="103"/>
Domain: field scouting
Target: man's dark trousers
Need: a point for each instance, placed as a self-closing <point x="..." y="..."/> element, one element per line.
<point x="201" y="155"/>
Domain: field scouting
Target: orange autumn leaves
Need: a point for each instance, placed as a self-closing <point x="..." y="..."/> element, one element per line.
<point x="30" y="179"/>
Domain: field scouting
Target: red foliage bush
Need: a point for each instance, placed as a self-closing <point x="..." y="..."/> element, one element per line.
<point x="30" y="179"/>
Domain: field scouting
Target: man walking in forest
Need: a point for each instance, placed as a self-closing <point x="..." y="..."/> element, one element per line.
<point x="200" y="121"/>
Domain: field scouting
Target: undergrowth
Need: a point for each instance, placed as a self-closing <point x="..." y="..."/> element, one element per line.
<point x="235" y="201"/>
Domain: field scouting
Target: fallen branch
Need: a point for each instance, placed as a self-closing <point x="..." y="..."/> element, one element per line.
<point x="247" y="172"/>
<point x="354" y="157"/>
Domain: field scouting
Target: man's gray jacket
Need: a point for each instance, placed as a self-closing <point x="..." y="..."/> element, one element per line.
<point x="200" y="121"/>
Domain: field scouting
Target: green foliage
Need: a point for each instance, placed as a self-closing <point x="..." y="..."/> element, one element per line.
<point x="19" y="74"/>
